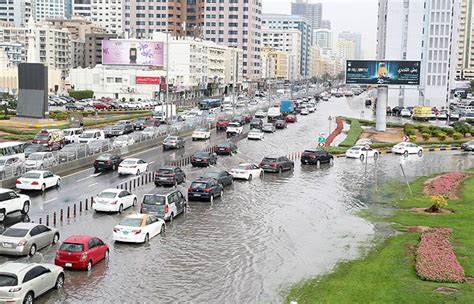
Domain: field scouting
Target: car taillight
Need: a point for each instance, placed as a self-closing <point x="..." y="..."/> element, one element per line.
<point x="114" y="203"/>
<point x="83" y="256"/>
<point x="167" y="208"/>
<point x="207" y="190"/>
<point x="22" y="242"/>
<point x="107" y="162"/>
<point x="96" y="162"/>
<point x="273" y="164"/>
<point x="205" y="160"/>
<point x="34" y="183"/>
<point x="194" y="158"/>
<point x="18" y="182"/>
<point x="138" y="231"/>
<point x="116" y="229"/>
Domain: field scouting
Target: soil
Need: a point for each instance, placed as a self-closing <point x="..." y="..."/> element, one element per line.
<point x="421" y="229"/>
<point x="424" y="211"/>
<point x="390" y="135"/>
<point x="470" y="280"/>
<point x="446" y="290"/>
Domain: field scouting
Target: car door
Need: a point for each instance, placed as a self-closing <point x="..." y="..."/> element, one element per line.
<point x="100" y="248"/>
<point x="142" y="165"/>
<point x="44" y="235"/>
<point x="126" y="198"/>
<point x="150" y="226"/>
<point x="16" y="202"/>
<point x="255" y="170"/>
<point x="181" y="201"/>
<point x="37" y="279"/>
<point x="48" y="179"/>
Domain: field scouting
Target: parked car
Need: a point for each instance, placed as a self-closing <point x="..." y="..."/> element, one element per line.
<point x="107" y="162"/>
<point x="132" y="166"/>
<point x="201" y="133"/>
<point x="222" y="123"/>
<point x="91" y="135"/>
<point x="256" y="123"/>
<point x="11" y="166"/>
<point x="138" y="228"/>
<point x="255" y="134"/>
<point x="73" y="152"/>
<point x="276" y="164"/>
<point x="81" y="252"/>
<point x="23" y="282"/>
<point x="203" y="159"/>
<point x="114" y="200"/>
<point x="240" y="120"/>
<point x="27" y="238"/>
<point x="169" y="176"/>
<point x="226" y="148"/>
<point x="362" y="152"/>
<point x="207" y="189"/>
<point x="123" y="141"/>
<point x="74" y="107"/>
<point x="40" y="160"/>
<point x="407" y="148"/>
<point x="268" y="128"/>
<point x="11" y="202"/>
<point x="222" y="177"/>
<point x="164" y="203"/>
<point x="71" y="135"/>
<point x="281" y="124"/>
<point x="52" y="138"/>
<point x="396" y="111"/>
<point x="38" y="180"/>
<point x="33" y="148"/>
<point x="405" y="113"/>
<point x="246" y="171"/>
<point x="173" y="142"/>
<point x="468" y="146"/>
<point x="291" y="118"/>
<point x="316" y="157"/>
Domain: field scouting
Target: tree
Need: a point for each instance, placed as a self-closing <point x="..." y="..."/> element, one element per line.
<point x="462" y="128"/>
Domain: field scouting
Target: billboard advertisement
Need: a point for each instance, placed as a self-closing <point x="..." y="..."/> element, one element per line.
<point x="147" y="80"/>
<point x="132" y="52"/>
<point x="385" y="72"/>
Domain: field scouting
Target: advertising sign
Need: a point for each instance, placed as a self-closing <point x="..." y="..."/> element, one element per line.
<point x="132" y="52"/>
<point x="385" y="72"/>
<point x="147" y="80"/>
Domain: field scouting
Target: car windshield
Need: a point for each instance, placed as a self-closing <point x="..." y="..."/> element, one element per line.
<point x="104" y="157"/>
<point x="269" y="160"/>
<point x="129" y="162"/>
<point x="71" y="247"/>
<point x="356" y="148"/>
<point x="131" y="222"/>
<point x="268" y="125"/>
<point x="224" y="145"/>
<point x="107" y="194"/>
<point x="35" y="157"/>
<point x="201" y="154"/>
<point x="243" y="167"/>
<point x="211" y="175"/>
<point x="255" y="131"/>
<point x="119" y="127"/>
<point x="199" y="185"/>
<point x="201" y="130"/>
<point x="31" y="175"/>
<point x="165" y="171"/>
<point x="154" y="200"/>
<point x="88" y="135"/>
<point x="15" y="232"/>
<point x="42" y="137"/>
<point x="171" y="138"/>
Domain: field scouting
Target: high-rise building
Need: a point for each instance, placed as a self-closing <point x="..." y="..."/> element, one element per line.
<point x="322" y="38"/>
<point x="346" y="49"/>
<point x="236" y="23"/>
<point x="312" y="11"/>
<point x="16" y="11"/>
<point x="356" y="38"/>
<point x="81" y="8"/>
<point x="425" y="31"/>
<point x="47" y="9"/>
<point x="465" y="58"/>
<point x="13" y="52"/>
<point x="285" y="22"/>
<point x="325" y="24"/>
<point x="67" y="9"/>
<point x="108" y="14"/>
<point x="93" y="48"/>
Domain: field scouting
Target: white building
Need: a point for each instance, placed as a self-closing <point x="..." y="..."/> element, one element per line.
<point x="16" y="11"/>
<point x="13" y="53"/>
<point x="322" y="38"/>
<point x="48" y="9"/>
<point x="107" y="14"/>
<point x="82" y="8"/>
<point x="346" y="49"/>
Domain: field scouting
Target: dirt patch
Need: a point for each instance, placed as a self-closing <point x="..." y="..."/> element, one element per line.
<point x="470" y="280"/>
<point x="423" y="211"/>
<point x="446" y="290"/>
<point x="390" y="135"/>
<point x="448" y="185"/>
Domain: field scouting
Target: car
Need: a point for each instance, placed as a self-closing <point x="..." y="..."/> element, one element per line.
<point x="23" y="282"/>
<point x="316" y="157"/>
<point x="169" y="176"/>
<point x="150" y="132"/>
<point x="222" y="177"/>
<point x="206" y="188"/>
<point x="173" y="142"/>
<point x="74" y="107"/>
<point x="38" y="180"/>
<point x="255" y="134"/>
<point x="291" y="118"/>
<point x="91" y="135"/>
<point x="268" y="128"/>
<point x="138" y="228"/>
<point x="246" y="171"/>
<point x="280" y="124"/>
<point x="234" y="128"/>
<point x="222" y="123"/>
<point x="311" y="108"/>
<point x="71" y="135"/>
<point x="108" y="131"/>
<point x="81" y="252"/>
<point x="10" y="166"/>
<point x="27" y="238"/>
<point x="139" y="124"/>
<point x="40" y="160"/>
<point x="276" y="164"/>
<point x="260" y="114"/>
<point x="405" y="113"/>
<point x="132" y="166"/>
<point x="152" y="122"/>
<point x="304" y="111"/>
<point x="11" y="202"/>
<point x="362" y="152"/>
<point x="73" y="151"/>
<point x="123" y="141"/>
<point x="468" y="146"/>
<point x="99" y="146"/>
<point x="240" y="120"/>
<point x="407" y="148"/>
<point x="201" y="133"/>
<point x="203" y="159"/>
<point x="256" y="123"/>
<point x="114" y="200"/>
<point x="107" y="162"/>
<point x="396" y="111"/>
<point x="226" y="148"/>
<point x="33" y="148"/>
<point x="164" y="203"/>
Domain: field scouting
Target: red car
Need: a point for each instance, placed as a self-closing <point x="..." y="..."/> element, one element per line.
<point x="81" y="252"/>
<point x="101" y="106"/>
<point x="291" y="119"/>
<point x="248" y="118"/>
<point x="222" y="124"/>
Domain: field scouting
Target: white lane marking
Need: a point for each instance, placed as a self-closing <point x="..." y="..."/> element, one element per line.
<point x="91" y="185"/>
<point x="87" y="177"/>
<point x="51" y="200"/>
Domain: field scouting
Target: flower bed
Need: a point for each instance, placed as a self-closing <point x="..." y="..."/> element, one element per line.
<point x="336" y="132"/>
<point x="436" y="260"/>
<point x="447" y="184"/>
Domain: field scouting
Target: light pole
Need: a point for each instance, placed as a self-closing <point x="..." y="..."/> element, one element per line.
<point x="167" y="83"/>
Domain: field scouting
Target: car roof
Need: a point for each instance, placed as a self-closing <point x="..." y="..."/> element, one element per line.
<point x="168" y="168"/>
<point x="15" y="267"/>
<point x="3" y="190"/>
<point x="132" y="159"/>
<point x="80" y="239"/>
<point x="136" y="215"/>
<point x="38" y="171"/>
<point x="24" y="225"/>
<point x="204" y="180"/>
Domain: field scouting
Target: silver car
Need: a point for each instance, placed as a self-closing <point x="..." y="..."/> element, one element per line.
<point x="11" y="166"/>
<point x="40" y="161"/>
<point x="22" y="282"/>
<point x="27" y="238"/>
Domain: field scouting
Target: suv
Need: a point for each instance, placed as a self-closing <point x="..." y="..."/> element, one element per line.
<point x="256" y="123"/>
<point x="11" y="202"/>
<point x="169" y="176"/>
<point x="40" y="160"/>
<point x="122" y="129"/>
<point x="276" y="164"/>
<point x="316" y="157"/>
<point x="205" y="188"/>
<point x="165" y="204"/>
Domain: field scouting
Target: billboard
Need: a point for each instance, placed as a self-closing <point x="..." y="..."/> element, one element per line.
<point x="385" y="72"/>
<point x="147" y="80"/>
<point x="132" y="52"/>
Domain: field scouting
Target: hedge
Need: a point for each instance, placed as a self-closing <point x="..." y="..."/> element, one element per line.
<point x="18" y="137"/>
<point x="81" y="94"/>
<point x="18" y="131"/>
<point x="353" y="135"/>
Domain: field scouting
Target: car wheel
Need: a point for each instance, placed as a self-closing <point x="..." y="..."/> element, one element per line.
<point x="59" y="281"/>
<point x="26" y="208"/>
<point x="120" y="209"/>
<point x="221" y="194"/>
<point x="134" y="202"/>
<point x="331" y="161"/>
<point x="211" y="199"/>
<point x="420" y="152"/>
<point x="55" y="238"/>
<point x="376" y="156"/>
<point x="32" y="250"/>
<point x="361" y="157"/>
<point x="58" y="182"/>
<point x="41" y="167"/>
<point x="89" y="266"/>
<point x="43" y="187"/>
<point x="29" y="298"/>
<point x="2" y="215"/>
<point x="171" y="218"/>
<point x="162" y="230"/>
<point x="106" y="255"/>
<point x="318" y="163"/>
<point x="250" y="178"/>
<point x="405" y="153"/>
<point x="147" y="239"/>
<point x="138" y="172"/>
<point x="114" y="167"/>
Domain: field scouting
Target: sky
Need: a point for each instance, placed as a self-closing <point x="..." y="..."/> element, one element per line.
<point x="345" y="15"/>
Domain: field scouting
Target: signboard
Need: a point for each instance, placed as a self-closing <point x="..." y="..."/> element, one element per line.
<point x="385" y="72"/>
<point x="132" y="52"/>
<point x="147" y="80"/>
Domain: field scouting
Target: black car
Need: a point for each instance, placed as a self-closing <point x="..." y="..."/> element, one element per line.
<point x="240" y="120"/>
<point x="107" y="162"/>
<point x="227" y="148"/>
<point x="33" y="148"/>
<point x="207" y="189"/>
<point x="281" y="124"/>
<point x="396" y="111"/>
<point x="276" y="164"/>
<point x="316" y="157"/>
<point x="169" y="176"/>
<point x="74" y="107"/>
<point x="122" y="129"/>
<point x="108" y="131"/>
<point x="256" y="123"/>
<point x="222" y="177"/>
<point x="139" y="124"/>
<point x="203" y="159"/>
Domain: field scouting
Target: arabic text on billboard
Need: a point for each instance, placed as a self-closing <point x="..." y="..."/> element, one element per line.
<point x="132" y="52"/>
<point x="147" y="80"/>
<point x="383" y="72"/>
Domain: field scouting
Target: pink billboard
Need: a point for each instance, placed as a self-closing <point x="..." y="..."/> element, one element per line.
<point x="132" y="52"/>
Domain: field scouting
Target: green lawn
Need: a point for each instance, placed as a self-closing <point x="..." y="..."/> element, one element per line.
<point x="387" y="273"/>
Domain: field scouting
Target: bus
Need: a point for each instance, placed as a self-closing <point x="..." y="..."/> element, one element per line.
<point x="13" y="148"/>
<point x="208" y="104"/>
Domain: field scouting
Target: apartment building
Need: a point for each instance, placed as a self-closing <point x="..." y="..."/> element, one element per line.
<point x="323" y="38"/>
<point x="15" y="11"/>
<point x="465" y="57"/>
<point x="313" y="12"/>
<point x="275" y="64"/>
<point x="93" y="48"/>
<point x="48" y="9"/>
<point x="346" y="49"/>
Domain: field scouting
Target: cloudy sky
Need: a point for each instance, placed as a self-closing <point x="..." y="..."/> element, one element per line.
<point x="345" y="15"/>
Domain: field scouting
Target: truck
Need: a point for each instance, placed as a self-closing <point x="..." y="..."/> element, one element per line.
<point x="52" y="138"/>
<point x="273" y="113"/>
<point x="286" y="107"/>
<point x="421" y="113"/>
<point x="164" y="112"/>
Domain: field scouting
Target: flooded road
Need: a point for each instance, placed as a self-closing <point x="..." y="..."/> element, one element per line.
<point x="261" y="237"/>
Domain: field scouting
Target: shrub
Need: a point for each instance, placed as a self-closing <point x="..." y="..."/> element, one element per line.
<point x="462" y="128"/>
<point x="432" y="127"/>
<point x="442" y="136"/>
<point x="412" y="137"/>
<point x="426" y="136"/>
<point x="410" y="132"/>
<point x="448" y="131"/>
<point x="435" y="132"/>
<point x="457" y="136"/>
<point x="81" y="94"/>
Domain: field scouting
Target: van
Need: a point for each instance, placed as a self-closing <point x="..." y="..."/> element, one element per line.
<point x="72" y="134"/>
<point x="90" y="135"/>
<point x="52" y="138"/>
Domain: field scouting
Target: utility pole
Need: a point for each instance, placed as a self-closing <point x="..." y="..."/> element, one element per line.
<point x="167" y="83"/>
<point x="291" y="77"/>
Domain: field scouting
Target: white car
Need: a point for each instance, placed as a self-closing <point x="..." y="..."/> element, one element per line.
<point x="234" y="128"/>
<point x="255" y="134"/>
<point x="304" y="111"/>
<point x="90" y="135"/>
<point x="138" y="228"/>
<point x="201" y="133"/>
<point x="311" y="108"/>
<point x="114" y="200"/>
<point x="405" y="113"/>
<point x="407" y="148"/>
<point x="40" y="160"/>
<point x="23" y="282"/>
<point x="260" y="114"/>
<point x="246" y="171"/>
<point x="361" y="152"/>
<point x="72" y="135"/>
<point x="123" y="141"/>
<point x="132" y="166"/>
<point x="38" y="180"/>
<point x="11" y="202"/>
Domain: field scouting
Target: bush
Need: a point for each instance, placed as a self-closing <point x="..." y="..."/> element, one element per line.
<point x="410" y="132"/>
<point x="425" y="130"/>
<point x="412" y="137"/>
<point x="435" y="131"/>
<point x="442" y="136"/>
<point x="81" y="94"/>
<point x="426" y="136"/>
<point x="457" y="136"/>
<point x="448" y="131"/>
<point x="353" y="135"/>
<point x="462" y="128"/>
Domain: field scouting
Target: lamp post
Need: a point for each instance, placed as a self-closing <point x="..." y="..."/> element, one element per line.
<point x="167" y="83"/>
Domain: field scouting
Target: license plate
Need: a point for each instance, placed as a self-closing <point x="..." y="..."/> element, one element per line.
<point x="197" y="194"/>
<point x="197" y="159"/>
<point x="7" y="245"/>
<point x="125" y="232"/>
<point x="68" y="264"/>
<point x="163" y="178"/>
<point x="305" y="161"/>
<point x="221" y="149"/>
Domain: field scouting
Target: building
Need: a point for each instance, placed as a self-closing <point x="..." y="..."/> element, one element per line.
<point x="425" y="31"/>
<point x="325" y="24"/>
<point x="275" y="64"/>
<point x="356" y="38"/>
<point x="465" y="58"/>
<point x="16" y="11"/>
<point x="48" y="9"/>
<point x="93" y="48"/>
<point x="9" y="80"/>
<point x="322" y="38"/>
<point x="81" y="8"/>
<point x="286" y="22"/>
<point x="288" y="41"/>
<point x="311" y="11"/>
<point x="325" y="63"/>
<point x="107" y="14"/>
<point x="346" y="49"/>
<point x="12" y="52"/>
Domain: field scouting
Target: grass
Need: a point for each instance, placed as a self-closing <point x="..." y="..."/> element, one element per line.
<point x="352" y="135"/>
<point x="386" y="274"/>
